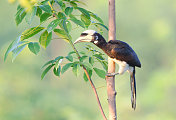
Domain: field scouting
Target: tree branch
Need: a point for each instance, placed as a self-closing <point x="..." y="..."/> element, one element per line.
<point x="111" y="65"/>
<point x="85" y="70"/>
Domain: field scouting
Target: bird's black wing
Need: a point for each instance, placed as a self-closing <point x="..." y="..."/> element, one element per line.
<point x="122" y="51"/>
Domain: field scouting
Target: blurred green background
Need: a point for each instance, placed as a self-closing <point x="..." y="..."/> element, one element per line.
<point x="147" y="25"/>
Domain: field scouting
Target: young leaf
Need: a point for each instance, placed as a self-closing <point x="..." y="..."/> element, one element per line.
<point x="46" y="8"/>
<point x="91" y="61"/>
<point x="20" y="15"/>
<point x="61" y="34"/>
<point x="30" y="15"/>
<point x="72" y="52"/>
<point x="87" y="65"/>
<point x="11" y="47"/>
<point x="64" y="26"/>
<point x="66" y="67"/>
<point x="58" y="62"/>
<point x="76" y="21"/>
<point x="70" y="58"/>
<point x="46" y="71"/>
<point x="44" y="17"/>
<point x="90" y="74"/>
<point x="31" y="32"/>
<point x="100" y="24"/>
<point x="72" y="3"/>
<point x="53" y="25"/>
<point x="68" y="10"/>
<point x="57" y="71"/>
<point x="86" y="20"/>
<point x="49" y="62"/>
<point x="98" y="57"/>
<point x="100" y="73"/>
<point x="34" y="47"/>
<point x="69" y="26"/>
<point x="96" y="17"/>
<point x="58" y="58"/>
<point x="39" y="12"/>
<point x="83" y="58"/>
<point x="45" y="38"/>
<point x="84" y="11"/>
<point x="76" y="69"/>
<point x="16" y="51"/>
<point x="61" y="15"/>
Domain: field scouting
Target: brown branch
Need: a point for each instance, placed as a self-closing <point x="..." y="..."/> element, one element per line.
<point x="85" y="70"/>
<point x="111" y="65"/>
<point x="96" y="94"/>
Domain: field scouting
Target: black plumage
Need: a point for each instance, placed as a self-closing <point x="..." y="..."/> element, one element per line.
<point x="120" y="52"/>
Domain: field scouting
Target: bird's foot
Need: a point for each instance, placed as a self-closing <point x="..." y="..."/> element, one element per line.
<point x="111" y="74"/>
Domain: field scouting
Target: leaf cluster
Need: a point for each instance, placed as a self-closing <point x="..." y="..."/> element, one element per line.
<point x="88" y="60"/>
<point x="59" y="16"/>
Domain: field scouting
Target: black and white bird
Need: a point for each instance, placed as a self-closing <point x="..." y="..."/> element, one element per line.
<point x="120" y="52"/>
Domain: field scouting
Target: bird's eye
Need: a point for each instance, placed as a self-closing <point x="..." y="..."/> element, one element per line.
<point x="96" y="37"/>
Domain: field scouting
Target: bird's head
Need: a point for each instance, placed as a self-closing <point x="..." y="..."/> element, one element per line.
<point x="91" y="36"/>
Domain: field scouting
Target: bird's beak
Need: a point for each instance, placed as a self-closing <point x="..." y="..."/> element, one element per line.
<point x="87" y="38"/>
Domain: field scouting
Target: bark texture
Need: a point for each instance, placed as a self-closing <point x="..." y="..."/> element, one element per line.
<point x="111" y="65"/>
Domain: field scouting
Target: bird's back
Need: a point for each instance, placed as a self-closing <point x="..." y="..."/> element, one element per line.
<point x="123" y="52"/>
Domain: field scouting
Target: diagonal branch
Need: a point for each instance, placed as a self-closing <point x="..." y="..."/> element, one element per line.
<point x="85" y="70"/>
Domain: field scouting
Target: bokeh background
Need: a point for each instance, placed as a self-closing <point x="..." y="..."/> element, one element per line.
<point x="147" y="25"/>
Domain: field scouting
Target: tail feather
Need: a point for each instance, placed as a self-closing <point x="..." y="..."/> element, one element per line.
<point x="133" y="89"/>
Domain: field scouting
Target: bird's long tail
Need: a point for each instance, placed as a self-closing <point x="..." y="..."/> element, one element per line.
<point x="133" y="89"/>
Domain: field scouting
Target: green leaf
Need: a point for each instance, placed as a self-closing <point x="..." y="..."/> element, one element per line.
<point x="57" y="71"/>
<point x="47" y="63"/>
<point x="68" y="10"/>
<point x="76" y="21"/>
<point x="90" y="74"/>
<point x="34" y="47"/>
<point x="58" y="62"/>
<point x="44" y="17"/>
<point x="61" y="4"/>
<point x="30" y="15"/>
<point x="76" y="69"/>
<point x="66" y="67"/>
<point x="100" y="24"/>
<point x="46" y="71"/>
<point x="91" y="61"/>
<point x="39" y="12"/>
<point x="46" y="8"/>
<point x="58" y="58"/>
<point x="98" y="57"/>
<point x="61" y="34"/>
<point x="96" y="17"/>
<point x="16" y="51"/>
<point x="72" y="3"/>
<point x="45" y="38"/>
<point x="83" y="58"/>
<point x="31" y="32"/>
<point x="86" y="20"/>
<point x="11" y="47"/>
<point x="20" y="16"/>
<point x="84" y="11"/>
<point x="65" y="26"/>
<point x="100" y="73"/>
<point x="70" y="58"/>
<point x="87" y="65"/>
<point x="72" y="52"/>
<point x="61" y="15"/>
<point x="53" y="25"/>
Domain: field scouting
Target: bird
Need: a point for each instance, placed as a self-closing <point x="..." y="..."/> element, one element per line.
<point x="120" y="52"/>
